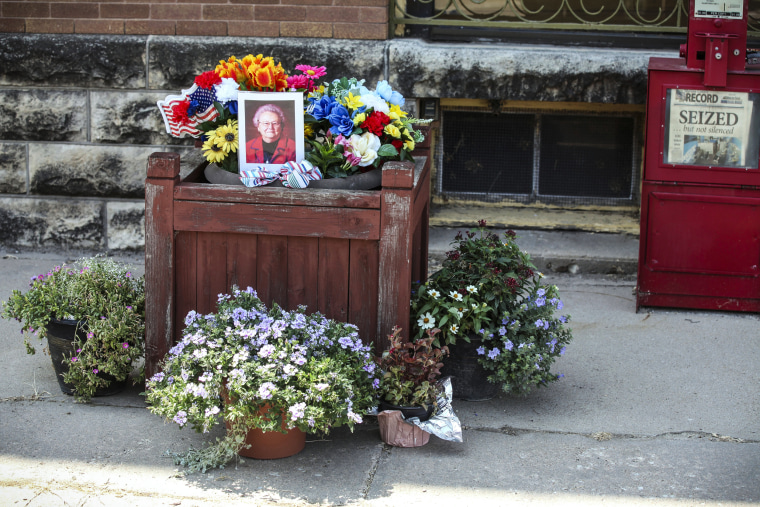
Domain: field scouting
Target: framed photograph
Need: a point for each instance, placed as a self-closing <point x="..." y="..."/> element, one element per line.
<point x="271" y="129"/>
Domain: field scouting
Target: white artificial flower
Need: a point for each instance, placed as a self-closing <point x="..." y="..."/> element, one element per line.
<point x="372" y="100"/>
<point x="227" y="91"/>
<point x="365" y="147"/>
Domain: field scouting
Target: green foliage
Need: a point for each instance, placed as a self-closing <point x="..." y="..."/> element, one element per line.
<point x="110" y="302"/>
<point x="410" y="370"/>
<point x="490" y="287"/>
<point x="255" y="367"/>
<point x="329" y="158"/>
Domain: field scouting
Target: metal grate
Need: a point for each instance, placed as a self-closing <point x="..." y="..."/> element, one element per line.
<point x="586" y="156"/>
<point x="529" y="157"/>
<point x="487" y="153"/>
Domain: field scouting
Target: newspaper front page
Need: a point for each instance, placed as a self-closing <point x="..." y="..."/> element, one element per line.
<point x="710" y="128"/>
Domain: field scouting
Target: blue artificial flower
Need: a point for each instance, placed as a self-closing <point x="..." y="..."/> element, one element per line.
<point x="321" y="109"/>
<point x="341" y="121"/>
<point x="359" y="111"/>
<point x="386" y="92"/>
<point x="192" y="108"/>
<point x="232" y="107"/>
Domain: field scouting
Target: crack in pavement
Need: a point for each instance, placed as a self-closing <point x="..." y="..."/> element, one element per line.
<point x="604" y="436"/>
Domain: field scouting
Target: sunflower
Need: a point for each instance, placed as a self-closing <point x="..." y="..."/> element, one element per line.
<point x="212" y="151"/>
<point x="227" y="136"/>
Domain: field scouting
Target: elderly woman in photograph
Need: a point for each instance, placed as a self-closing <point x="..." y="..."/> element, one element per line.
<point x="270" y="147"/>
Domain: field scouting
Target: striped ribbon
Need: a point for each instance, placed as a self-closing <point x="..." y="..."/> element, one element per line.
<point x="292" y="174"/>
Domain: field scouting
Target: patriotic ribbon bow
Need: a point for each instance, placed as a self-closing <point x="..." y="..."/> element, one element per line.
<point x="292" y="174"/>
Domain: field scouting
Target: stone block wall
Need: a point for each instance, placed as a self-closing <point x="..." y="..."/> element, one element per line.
<point x="340" y="19"/>
<point x="78" y="115"/>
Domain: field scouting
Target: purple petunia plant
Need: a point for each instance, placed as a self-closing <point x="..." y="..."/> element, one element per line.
<point x="258" y="367"/>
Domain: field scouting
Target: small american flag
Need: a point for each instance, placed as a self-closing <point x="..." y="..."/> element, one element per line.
<point x="206" y="111"/>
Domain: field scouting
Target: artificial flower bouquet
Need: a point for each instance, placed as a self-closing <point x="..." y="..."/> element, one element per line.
<point x="308" y="371"/>
<point x="489" y="289"/>
<point x="348" y="128"/>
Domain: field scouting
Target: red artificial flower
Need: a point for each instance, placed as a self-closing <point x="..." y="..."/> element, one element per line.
<point x="397" y="143"/>
<point x="180" y="112"/>
<point x="376" y="122"/>
<point x="208" y="79"/>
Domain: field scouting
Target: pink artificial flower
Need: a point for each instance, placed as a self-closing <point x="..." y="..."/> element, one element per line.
<point x="342" y="141"/>
<point x="311" y="72"/>
<point x="352" y="159"/>
<point x="298" y="82"/>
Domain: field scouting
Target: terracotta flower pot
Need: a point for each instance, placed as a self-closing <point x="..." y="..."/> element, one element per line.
<point x="273" y="444"/>
<point x="269" y="444"/>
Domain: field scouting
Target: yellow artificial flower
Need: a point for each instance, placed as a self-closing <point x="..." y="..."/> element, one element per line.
<point x="409" y="145"/>
<point x="359" y="118"/>
<point x="227" y="136"/>
<point x="308" y="131"/>
<point x="352" y="101"/>
<point x="396" y="113"/>
<point x="213" y="152"/>
<point x="392" y="131"/>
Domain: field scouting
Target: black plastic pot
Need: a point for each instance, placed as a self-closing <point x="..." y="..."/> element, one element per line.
<point x="421" y="412"/>
<point x="469" y="380"/>
<point x="61" y="335"/>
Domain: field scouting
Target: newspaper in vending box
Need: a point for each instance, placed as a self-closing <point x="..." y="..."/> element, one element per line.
<point x="711" y="128"/>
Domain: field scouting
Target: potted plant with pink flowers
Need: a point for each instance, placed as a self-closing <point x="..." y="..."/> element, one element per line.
<point x="93" y="316"/>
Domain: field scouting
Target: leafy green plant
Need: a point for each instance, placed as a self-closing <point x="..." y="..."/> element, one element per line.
<point x="308" y="371"/>
<point x="410" y="370"/>
<point x="109" y="303"/>
<point x="490" y="288"/>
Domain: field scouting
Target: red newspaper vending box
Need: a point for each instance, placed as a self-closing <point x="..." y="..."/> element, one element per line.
<point x="700" y="201"/>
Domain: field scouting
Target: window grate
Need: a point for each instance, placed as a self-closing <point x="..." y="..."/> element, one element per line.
<point x="539" y="157"/>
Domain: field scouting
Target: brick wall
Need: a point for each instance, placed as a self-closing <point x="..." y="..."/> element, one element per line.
<point x="339" y="19"/>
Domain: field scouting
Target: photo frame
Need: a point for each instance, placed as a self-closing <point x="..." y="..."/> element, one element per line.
<point x="270" y="128"/>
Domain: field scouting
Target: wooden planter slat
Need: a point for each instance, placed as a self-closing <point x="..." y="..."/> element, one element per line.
<point x="351" y="255"/>
<point x="278" y="196"/>
<point x="270" y="219"/>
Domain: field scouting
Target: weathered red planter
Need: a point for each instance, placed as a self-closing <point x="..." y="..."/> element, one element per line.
<point x="351" y="255"/>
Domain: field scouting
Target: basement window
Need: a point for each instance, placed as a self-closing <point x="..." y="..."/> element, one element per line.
<point x="539" y="156"/>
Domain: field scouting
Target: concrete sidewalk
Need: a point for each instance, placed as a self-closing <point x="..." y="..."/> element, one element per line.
<point x="660" y="407"/>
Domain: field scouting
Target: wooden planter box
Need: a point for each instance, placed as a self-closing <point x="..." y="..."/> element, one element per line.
<point x="351" y="255"/>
